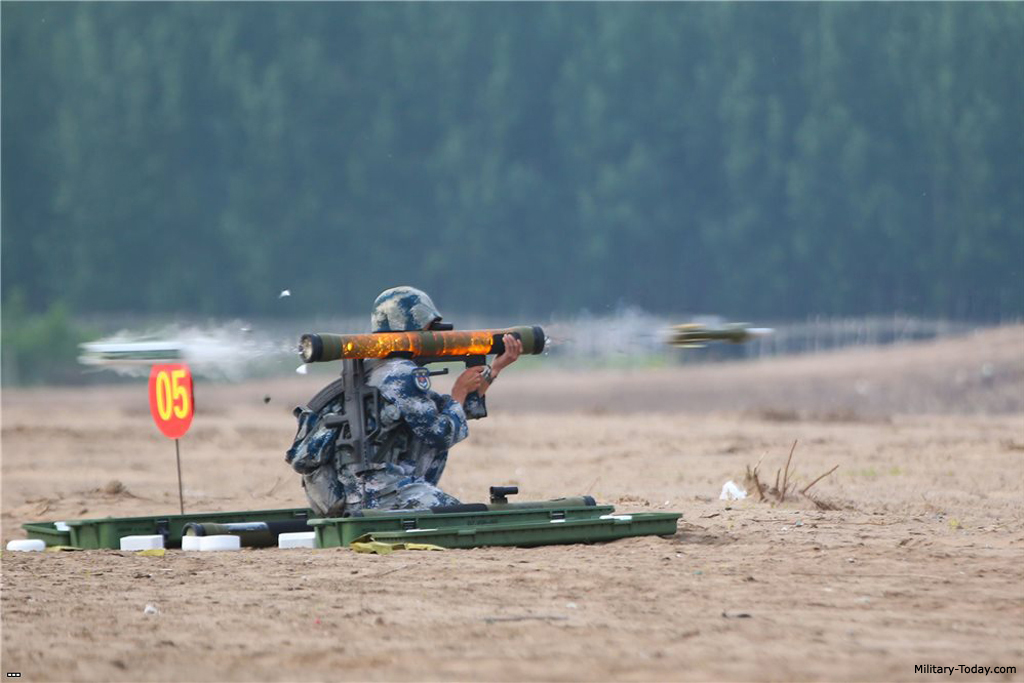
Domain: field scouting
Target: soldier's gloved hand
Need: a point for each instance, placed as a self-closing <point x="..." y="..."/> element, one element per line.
<point x="469" y="381"/>
<point x="513" y="347"/>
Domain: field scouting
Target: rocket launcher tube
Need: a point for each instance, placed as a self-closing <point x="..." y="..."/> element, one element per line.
<point x="253" y="534"/>
<point x="320" y="348"/>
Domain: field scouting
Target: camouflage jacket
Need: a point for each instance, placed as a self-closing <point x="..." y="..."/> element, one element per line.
<point x="409" y="453"/>
<point x="420" y="424"/>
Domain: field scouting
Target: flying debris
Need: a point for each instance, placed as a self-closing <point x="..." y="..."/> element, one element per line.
<point x="694" y="335"/>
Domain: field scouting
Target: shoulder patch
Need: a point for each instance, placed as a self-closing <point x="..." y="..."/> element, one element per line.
<point x="421" y="376"/>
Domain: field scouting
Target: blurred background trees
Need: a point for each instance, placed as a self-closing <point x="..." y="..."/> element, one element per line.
<point x="762" y="161"/>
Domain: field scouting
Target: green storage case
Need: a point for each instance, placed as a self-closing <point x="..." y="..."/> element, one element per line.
<point x="553" y="532"/>
<point x="47" y="532"/>
<point x="335" y="532"/>
<point x="106" y="533"/>
<point x="520" y="528"/>
<point x="512" y="527"/>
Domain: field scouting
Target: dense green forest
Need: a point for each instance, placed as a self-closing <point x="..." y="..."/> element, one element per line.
<point x="774" y="160"/>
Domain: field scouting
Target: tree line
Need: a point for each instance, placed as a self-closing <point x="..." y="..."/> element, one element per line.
<point x="768" y="161"/>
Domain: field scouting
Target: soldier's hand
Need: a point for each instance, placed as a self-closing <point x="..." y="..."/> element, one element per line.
<point x="513" y="347"/>
<point x="469" y="381"/>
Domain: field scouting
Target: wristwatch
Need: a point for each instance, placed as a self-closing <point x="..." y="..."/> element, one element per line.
<point x="488" y="375"/>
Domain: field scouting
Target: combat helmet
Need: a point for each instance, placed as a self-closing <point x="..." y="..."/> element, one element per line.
<point x="403" y="309"/>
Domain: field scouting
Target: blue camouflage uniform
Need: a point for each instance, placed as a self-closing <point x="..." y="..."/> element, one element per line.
<point x="427" y="424"/>
<point x="417" y="427"/>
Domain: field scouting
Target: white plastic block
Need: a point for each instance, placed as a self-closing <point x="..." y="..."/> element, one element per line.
<point x="220" y="542"/>
<point x="142" y="542"/>
<point x="26" y="544"/>
<point x="298" y="539"/>
<point x="190" y="542"/>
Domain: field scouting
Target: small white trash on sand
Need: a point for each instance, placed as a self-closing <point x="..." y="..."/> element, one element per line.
<point x="220" y="542"/>
<point x="297" y="539"/>
<point x="26" y="544"/>
<point x="150" y="609"/>
<point x="142" y="542"/>
<point x="730" y="491"/>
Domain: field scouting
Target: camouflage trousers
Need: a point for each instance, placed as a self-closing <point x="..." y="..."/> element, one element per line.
<point x="385" y="487"/>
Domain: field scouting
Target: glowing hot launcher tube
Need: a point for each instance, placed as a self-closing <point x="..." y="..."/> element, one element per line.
<point x="323" y="347"/>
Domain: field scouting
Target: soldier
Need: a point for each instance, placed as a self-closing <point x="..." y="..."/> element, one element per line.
<point x="417" y="425"/>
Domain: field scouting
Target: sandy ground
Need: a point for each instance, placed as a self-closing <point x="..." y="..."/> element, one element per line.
<point x="921" y="561"/>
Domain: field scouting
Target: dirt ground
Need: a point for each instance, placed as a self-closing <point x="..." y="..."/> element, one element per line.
<point x="920" y="561"/>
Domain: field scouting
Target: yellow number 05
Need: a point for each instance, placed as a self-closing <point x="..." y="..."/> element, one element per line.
<point x="171" y="396"/>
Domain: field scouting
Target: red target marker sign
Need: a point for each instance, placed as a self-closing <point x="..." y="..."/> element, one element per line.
<point x="170" y="399"/>
<point x="172" y="405"/>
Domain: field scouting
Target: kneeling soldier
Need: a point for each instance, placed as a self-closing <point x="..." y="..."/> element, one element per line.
<point x="417" y="426"/>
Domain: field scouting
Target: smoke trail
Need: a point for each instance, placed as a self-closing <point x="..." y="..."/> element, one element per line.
<point x="233" y="351"/>
<point x="627" y="332"/>
<point x="227" y="351"/>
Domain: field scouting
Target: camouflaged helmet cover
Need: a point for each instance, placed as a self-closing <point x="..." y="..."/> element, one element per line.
<point x="402" y="309"/>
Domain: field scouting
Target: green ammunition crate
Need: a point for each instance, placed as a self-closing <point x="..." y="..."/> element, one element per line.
<point x="47" y="532"/>
<point x="106" y="533"/>
<point x="606" y="527"/>
<point x="334" y="532"/>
